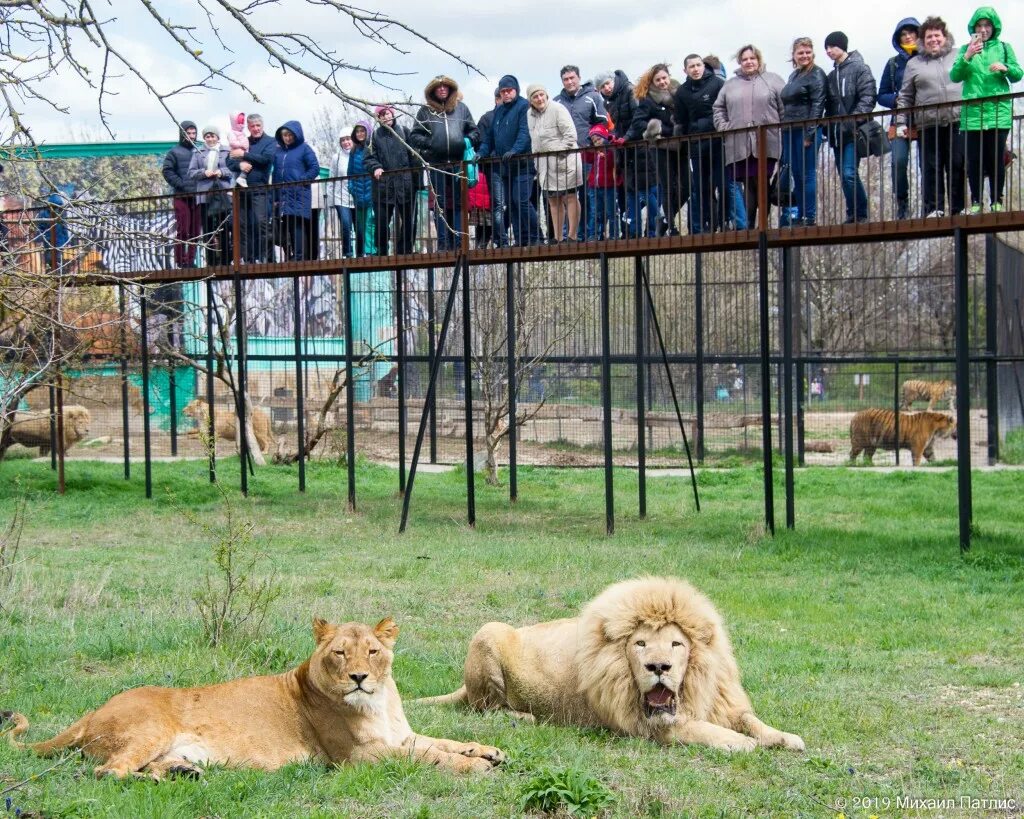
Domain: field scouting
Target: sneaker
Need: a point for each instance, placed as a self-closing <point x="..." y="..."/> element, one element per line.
<point x="901" y="210"/>
<point x="997" y="207"/>
<point x="935" y="214"/>
<point x="975" y="210"/>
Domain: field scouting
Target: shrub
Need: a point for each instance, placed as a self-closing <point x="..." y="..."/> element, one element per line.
<point x="574" y="791"/>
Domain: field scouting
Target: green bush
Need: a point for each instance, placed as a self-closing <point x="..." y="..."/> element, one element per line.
<point x="574" y="791"/>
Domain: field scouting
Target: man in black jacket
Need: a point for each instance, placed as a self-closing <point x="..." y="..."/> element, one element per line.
<point x="851" y="89"/>
<point x="442" y="125"/>
<point x="694" y="100"/>
<point x="254" y="205"/>
<point x="186" y="209"/>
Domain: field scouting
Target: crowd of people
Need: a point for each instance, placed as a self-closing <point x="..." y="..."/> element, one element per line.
<point x="597" y="152"/>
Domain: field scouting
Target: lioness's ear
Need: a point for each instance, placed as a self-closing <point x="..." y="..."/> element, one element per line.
<point x="386" y="631"/>
<point x="322" y="630"/>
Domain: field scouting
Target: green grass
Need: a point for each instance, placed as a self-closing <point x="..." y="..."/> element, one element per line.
<point x="863" y="630"/>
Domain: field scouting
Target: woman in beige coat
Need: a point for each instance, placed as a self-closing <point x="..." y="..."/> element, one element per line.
<point x="552" y="129"/>
<point x="752" y="97"/>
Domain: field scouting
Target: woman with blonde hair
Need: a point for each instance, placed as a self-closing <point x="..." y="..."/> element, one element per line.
<point x="552" y="129"/>
<point x="803" y="98"/>
<point x="753" y="96"/>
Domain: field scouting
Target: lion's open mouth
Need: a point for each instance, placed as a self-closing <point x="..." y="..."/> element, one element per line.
<point x="659" y="700"/>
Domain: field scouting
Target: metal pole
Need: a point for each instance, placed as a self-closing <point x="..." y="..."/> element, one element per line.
<point x="991" y="348"/>
<point x="699" y="350"/>
<point x="240" y="408"/>
<point x="122" y="335"/>
<point x="60" y="433"/>
<point x="211" y="428"/>
<point x="146" y="444"/>
<point x="431" y="386"/>
<point x="641" y="421"/>
<point x="896" y="407"/>
<point x="766" y="378"/>
<point x="172" y="389"/>
<point x="801" y="376"/>
<point x="53" y="427"/>
<point x="787" y="379"/>
<point x="513" y="385"/>
<point x="606" y="397"/>
<point x="963" y="398"/>
<point x="467" y="377"/>
<point x="400" y="365"/>
<point x="300" y="402"/>
<point x="430" y="405"/>
<point x="350" y="395"/>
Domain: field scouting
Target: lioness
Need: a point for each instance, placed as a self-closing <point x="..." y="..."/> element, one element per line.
<point x="224" y="423"/>
<point x="647" y="657"/>
<point x="341" y="705"/>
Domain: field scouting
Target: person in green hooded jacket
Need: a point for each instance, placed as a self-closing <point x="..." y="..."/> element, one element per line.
<point x="986" y="66"/>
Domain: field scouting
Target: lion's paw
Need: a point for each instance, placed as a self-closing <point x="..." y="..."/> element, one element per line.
<point x="792" y="742"/>
<point x="493" y="756"/>
<point x="739" y="743"/>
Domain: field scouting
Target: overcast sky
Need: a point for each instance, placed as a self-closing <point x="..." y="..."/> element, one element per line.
<point x="531" y="39"/>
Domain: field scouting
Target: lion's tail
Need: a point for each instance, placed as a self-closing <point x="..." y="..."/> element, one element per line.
<point x="69" y="738"/>
<point x="444" y="699"/>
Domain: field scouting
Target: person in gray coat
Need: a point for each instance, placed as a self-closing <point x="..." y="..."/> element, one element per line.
<point x="586" y="107"/>
<point x="851" y="89"/>
<point x="752" y="97"/>
<point x="186" y="209"/>
<point x="926" y="82"/>
<point x="209" y="169"/>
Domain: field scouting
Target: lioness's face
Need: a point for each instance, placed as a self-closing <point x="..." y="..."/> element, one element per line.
<point x="658" y="659"/>
<point x="354" y="660"/>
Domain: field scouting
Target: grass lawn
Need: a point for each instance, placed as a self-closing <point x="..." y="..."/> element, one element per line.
<point x="899" y="661"/>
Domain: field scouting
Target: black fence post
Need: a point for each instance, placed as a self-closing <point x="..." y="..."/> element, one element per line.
<point x="513" y="385"/>
<point x="172" y="406"/>
<point x="146" y="444"/>
<point x="467" y="377"/>
<point x="787" y="382"/>
<point x="606" y="397"/>
<point x="963" y="386"/>
<point x="641" y="420"/>
<point x="400" y="365"/>
<point x="53" y="427"/>
<point x="698" y="266"/>
<point x="991" y="348"/>
<point x="123" y="341"/>
<point x="430" y="405"/>
<point x="300" y="402"/>
<point x="766" y="382"/>
<point x="896" y="405"/>
<point x="60" y="431"/>
<point x="350" y="394"/>
<point x="211" y="430"/>
<point x="240" y="402"/>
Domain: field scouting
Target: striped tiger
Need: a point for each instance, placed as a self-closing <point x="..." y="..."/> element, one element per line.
<point x="931" y="391"/>
<point x="873" y="429"/>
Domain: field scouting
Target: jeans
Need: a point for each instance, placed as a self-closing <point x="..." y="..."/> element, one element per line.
<point x="803" y="171"/>
<point x="345" y="221"/>
<point x="254" y="221"/>
<point x="513" y="189"/>
<point x="737" y="205"/>
<point x="606" y="211"/>
<point x="588" y="217"/>
<point x="985" y="151"/>
<point x="707" y="198"/>
<point x="900" y="182"/>
<point x="447" y="208"/>
<point x="635" y="200"/>
<point x="941" y="149"/>
<point x="853" y="189"/>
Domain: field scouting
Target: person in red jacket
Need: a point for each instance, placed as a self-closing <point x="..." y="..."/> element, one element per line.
<point x="603" y="180"/>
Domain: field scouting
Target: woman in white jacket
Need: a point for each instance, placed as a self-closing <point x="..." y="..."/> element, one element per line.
<point x="338" y="195"/>
<point x="552" y="129"/>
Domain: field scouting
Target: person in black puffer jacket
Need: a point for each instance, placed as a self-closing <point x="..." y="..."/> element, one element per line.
<point x="186" y="208"/>
<point x="694" y="100"/>
<point x="619" y="104"/>
<point x="803" y="98"/>
<point x="394" y="194"/>
<point x="439" y="133"/>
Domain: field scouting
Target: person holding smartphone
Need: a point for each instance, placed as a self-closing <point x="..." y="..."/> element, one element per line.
<point x="986" y="66"/>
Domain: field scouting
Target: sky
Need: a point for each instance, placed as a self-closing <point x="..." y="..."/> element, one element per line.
<point x="529" y="38"/>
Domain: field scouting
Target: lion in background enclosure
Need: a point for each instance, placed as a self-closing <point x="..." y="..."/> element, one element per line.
<point x="225" y="423"/>
<point x="648" y="657"/>
<point x="873" y="429"/>
<point x="931" y="391"/>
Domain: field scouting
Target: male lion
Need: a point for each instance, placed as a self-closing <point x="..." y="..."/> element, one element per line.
<point x="872" y="429"/>
<point x="647" y="657"/>
<point x="341" y="705"/>
<point x="224" y="423"/>
<point x="33" y="428"/>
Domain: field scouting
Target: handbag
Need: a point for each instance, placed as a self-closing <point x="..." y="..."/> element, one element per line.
<point x="218" y="205"/>
<point x="780" y="186"/>
<point x="872" y="139"/>
<point x="472" y="171"/>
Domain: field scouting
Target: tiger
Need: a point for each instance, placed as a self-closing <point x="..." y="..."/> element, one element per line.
<point x="873" y="429"/>
<point x="931" y="391"/>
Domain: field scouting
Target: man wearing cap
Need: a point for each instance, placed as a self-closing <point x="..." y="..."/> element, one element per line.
<point x="186" y="208"/>
<point x="512" y="178"/>
<point x="254" y="205"/>
<point x="904" y="40"/>
<point x="586" y="107"/>
<point x="442" y="126"/>
<point x="850" y="89"/>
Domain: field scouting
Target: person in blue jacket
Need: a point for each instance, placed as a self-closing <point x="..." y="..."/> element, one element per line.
<point x="511" y="179"/>
<point x="904" y="41"/>
<point x="360" y="185"/>
<point x="294" y="161"/>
